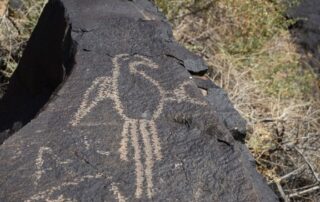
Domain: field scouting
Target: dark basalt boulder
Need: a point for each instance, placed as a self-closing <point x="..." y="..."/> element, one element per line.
<point x="102" y="108"/>
<point x="306" y="30"/>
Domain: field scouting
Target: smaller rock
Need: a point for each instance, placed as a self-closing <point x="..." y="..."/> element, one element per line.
<point x="16" y="5"/>
<point x="193" y="63"/>
<point x="221" y="103"/>
<point x="204" y="83"/>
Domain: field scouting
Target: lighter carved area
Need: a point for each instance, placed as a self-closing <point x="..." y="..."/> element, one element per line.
<point x="124" y="141"/>
<point x="86" y="142"/>
<point x="86" y="105"/>
<point x="40" y="171"/>
<point x="149" y="157"/>
<point x="180" y="95"/>
<point x="47" y="195"/>
<point x="104" y="153"/>
<point x="137" y="158"/>
<point x="117" y="193"/>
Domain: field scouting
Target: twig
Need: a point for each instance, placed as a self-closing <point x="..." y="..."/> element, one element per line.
<point x="299" y="193"/>
<point x="272" y="163"/>
<point x="309" y="165"/>
<point x="14" y="24"/>
<point x="302" y="188"/>
<point x="295" y="172"/>
<point x="283" y="195"/>
<point x="278" y="182"/>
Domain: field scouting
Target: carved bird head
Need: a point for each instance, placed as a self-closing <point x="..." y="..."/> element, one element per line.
<point x="136" y="60"/>
<point x="142" y="60"/>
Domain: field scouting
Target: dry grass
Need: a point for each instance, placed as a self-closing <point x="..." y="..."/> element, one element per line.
<point x="252" y="55"/>
<point x="16" y="26"/>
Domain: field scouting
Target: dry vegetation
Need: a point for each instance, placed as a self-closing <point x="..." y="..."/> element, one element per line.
<point x="16" y="23"/>
<point x="252" y="55"/>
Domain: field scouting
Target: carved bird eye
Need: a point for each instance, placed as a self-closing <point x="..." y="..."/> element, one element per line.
<point x="126" y="58"/>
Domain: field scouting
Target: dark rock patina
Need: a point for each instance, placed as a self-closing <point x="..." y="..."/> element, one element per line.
<point x="221" y="104"/>
<point x="306" y="30"/>
<point x="108" y="112"/>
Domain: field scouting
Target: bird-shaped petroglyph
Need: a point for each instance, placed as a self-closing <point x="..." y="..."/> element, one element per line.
<point x="135" y="127"/>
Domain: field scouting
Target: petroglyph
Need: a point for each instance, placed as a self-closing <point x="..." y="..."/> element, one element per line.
<point x="47" y="194"/>
<point x="104" y="153"/>
<point x="60" y="198"/>
<point x="124" y="141"/>
<point x="117" y="193"/>
<point x="137" y="158"/>
<point x="85" y="106"/>
<point x="180" y="95"/>
<point x="149" y="156"/>
<point x="39" y="163"/>
<point x="86" y="142"/>
<point x="134" y="128"/>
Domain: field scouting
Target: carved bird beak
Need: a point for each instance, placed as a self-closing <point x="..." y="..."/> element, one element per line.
<point x="125" y="58"/>
<point x="147" y="62"/>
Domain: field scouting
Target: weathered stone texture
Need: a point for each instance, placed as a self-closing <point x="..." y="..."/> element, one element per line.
<point x="115" y="115"/>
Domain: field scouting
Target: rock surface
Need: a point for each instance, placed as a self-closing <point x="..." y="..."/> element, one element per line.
<point x="307" y="29"/>
<point x="108" y="112"/>
<point x="221" y="104"/>
<point x="16" y="4"/>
